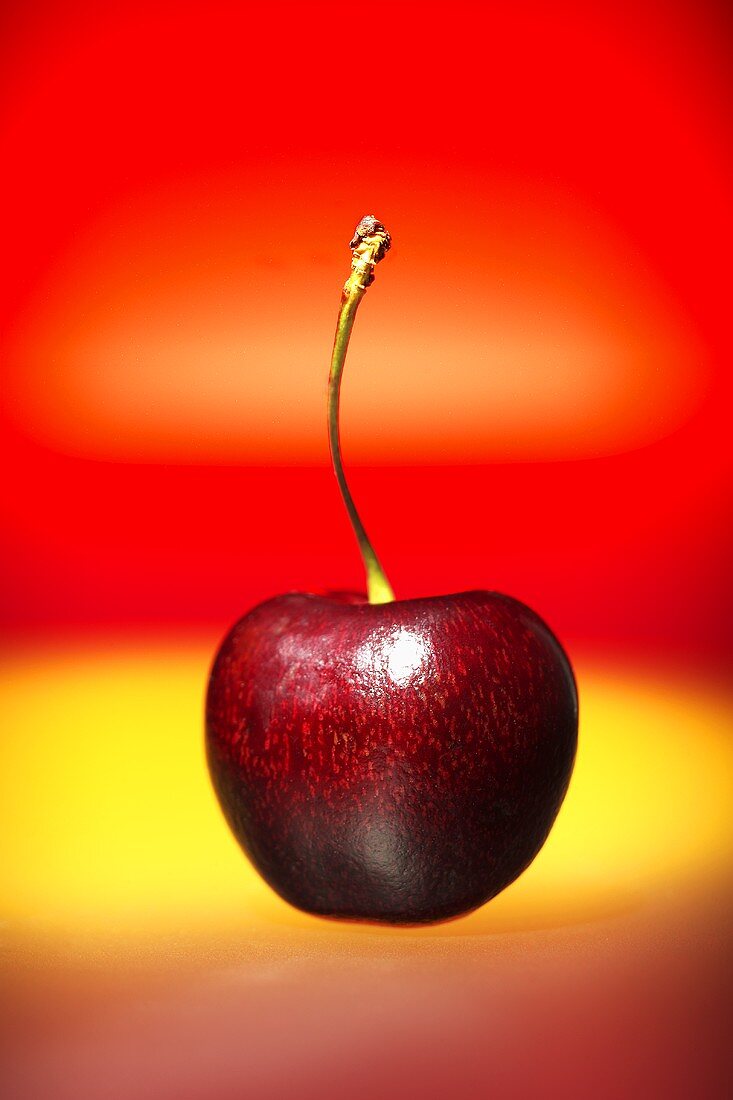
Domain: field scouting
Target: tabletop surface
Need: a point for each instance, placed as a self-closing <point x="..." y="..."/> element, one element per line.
<point x="144" y="956"/>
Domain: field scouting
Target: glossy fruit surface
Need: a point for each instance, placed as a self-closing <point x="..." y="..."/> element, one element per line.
<point x="398" y="762"/>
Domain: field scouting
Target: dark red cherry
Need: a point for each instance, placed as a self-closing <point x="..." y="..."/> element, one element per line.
<point x="398" y="762"/>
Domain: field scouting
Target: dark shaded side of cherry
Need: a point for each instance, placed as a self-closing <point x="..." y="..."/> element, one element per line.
<point x="399" y="762"/>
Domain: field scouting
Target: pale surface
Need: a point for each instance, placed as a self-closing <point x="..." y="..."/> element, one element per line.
<point x="146" y="958"/>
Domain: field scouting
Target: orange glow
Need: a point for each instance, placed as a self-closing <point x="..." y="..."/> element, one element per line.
<point x="181" y="327"/>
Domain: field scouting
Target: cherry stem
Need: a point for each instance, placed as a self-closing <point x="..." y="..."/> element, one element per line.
<point x="369" y="245"/>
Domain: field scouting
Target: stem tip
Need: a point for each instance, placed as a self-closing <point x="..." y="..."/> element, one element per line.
<point x="369" y="226"/>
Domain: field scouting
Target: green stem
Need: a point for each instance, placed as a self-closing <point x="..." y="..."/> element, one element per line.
<point x="369" y="246"/>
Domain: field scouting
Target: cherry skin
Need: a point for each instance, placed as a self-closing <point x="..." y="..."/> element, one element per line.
<point x="399" y="762"/>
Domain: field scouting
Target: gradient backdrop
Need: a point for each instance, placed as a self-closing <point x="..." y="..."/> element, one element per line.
<point x="538" y="400"/>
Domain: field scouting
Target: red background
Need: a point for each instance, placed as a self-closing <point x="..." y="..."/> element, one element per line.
<point x="166" y="161"/>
